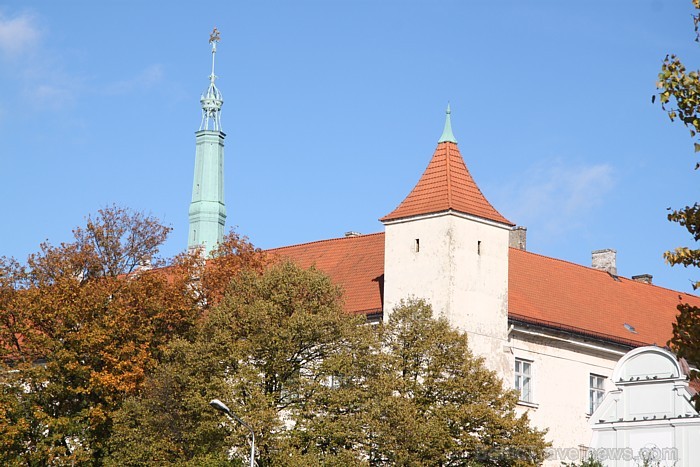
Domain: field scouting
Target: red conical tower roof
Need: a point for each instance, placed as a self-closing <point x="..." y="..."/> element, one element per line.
<point x="446" y="185"/>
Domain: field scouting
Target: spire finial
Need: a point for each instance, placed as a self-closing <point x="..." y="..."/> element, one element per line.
<point x="214" y="37"/>
<point x="447" y="136"/>
<point x="212" y="100"/>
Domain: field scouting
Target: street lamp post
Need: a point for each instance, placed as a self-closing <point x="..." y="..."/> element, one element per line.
<point x="221" y="407"/>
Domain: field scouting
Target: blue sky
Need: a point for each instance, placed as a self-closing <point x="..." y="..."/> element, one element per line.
<point x="333" y="109"/>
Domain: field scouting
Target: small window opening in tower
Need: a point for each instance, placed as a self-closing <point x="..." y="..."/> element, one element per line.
<point x="417" y="245"/>
<point x="478" y="247"/>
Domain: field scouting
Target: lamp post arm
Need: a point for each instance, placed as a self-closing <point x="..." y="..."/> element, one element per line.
<point x="235" y="417"/>
<point x="221" y="407"/>
<point x="252" y="435"/>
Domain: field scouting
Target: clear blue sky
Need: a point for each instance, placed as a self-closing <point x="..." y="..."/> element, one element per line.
<point x="333" y="109"/>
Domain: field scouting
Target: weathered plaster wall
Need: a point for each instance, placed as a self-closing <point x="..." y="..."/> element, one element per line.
<point x="460" y="266"/>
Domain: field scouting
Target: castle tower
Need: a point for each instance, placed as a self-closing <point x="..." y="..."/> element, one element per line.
<point x="207" y="209"/>
<point x="445" y="243"/>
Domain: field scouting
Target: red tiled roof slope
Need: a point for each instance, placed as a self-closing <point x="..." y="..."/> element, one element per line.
<point x="446" y="184"/>
<point x="555" y="291"/>
<point x="354" y="263"/>
<point x="542" y="290"/>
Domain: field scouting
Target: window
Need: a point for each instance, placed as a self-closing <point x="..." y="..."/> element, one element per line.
<point x="596" y="392"/>
<point x="523" y="379"/>
<point x="333" y="381"/>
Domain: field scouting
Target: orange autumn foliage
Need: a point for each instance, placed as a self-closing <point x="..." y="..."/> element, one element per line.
<point x="99" y="317"/>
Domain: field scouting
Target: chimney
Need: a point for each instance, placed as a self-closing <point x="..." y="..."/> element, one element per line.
<point x="605" y="260"/>
<point x="518" y="238"/>
<point x="643" y="278"/>
<point x="352" y="234"/>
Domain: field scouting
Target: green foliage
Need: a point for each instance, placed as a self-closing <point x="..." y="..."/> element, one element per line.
<point x="679" y="94"/>
<point x="261" y="350"/>
<point x="421" y="398"/>
<point x="320" y="388"/>
<point x="170" y="422"/>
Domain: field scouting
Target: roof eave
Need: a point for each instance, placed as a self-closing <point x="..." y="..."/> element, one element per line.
<point x="389" y="219"/>
<point x="599" y="336"/>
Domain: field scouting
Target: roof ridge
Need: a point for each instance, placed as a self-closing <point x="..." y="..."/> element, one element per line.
<point x="448" y="171"/>
<point x="627" y="279"/>
<point x="327" y="240"/>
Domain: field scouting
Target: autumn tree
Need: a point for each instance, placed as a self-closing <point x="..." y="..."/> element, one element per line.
<point x="679" y="94"/>
<point x="458" y="413"/>
<point x="213" y="274"/>
<point x="13" y="329"/>
<point x="83" y="324"/>
<point x="262" y="349"/>
<point x="170" y="422"/>
<point x="417" y="396"/>
<point x="320" y="387"/>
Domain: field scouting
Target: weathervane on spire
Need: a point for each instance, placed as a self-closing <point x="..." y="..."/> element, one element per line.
<point x="212" y="100"/>
<point x="214" y="36"/>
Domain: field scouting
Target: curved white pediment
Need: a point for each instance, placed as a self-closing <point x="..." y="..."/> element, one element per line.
<point x="646" y="363"/>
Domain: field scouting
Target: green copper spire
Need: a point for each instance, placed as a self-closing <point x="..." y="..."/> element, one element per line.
<point x="207" y="209"/>
<point x="447" y="136"/>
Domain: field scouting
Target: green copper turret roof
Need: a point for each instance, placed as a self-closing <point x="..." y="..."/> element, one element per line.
<point x="447" y="136"/>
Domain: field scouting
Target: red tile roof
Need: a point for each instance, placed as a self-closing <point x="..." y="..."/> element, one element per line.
<point x="446" y="184"/>
<point x="542" y="291"/>
<point x="354" y="263"/>
<point x="545" y="290"/>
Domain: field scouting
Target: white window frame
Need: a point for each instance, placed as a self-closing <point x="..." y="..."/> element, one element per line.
<point x="523" y="379"/>
<point x="596" y="391"/>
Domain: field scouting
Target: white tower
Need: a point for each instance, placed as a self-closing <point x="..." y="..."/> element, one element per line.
<point x="447" y="244"/>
